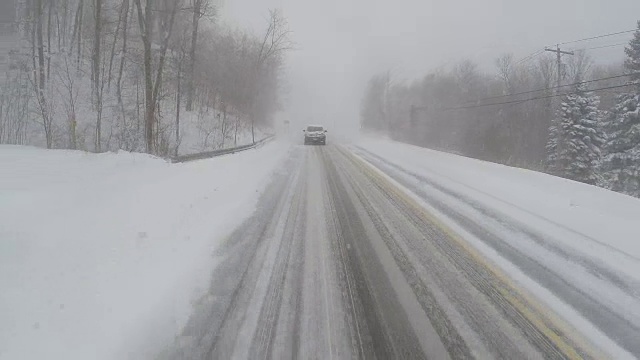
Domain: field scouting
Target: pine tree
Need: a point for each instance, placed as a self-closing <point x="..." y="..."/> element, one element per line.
<point x="576" y="138"/>
<point x="552" y="146"/>
<point x="632" y="63"/>
<point x="621" y="163"/>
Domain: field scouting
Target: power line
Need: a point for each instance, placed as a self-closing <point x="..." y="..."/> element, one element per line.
<point x="598" y="37"/>
<point x="530" y="56"/>
<point x="552" y="88"/>
<point x="539" y="90"/>
<point x="534" y="98"/>
<point x="538" y="52"/>
<point x="603" y="46"/>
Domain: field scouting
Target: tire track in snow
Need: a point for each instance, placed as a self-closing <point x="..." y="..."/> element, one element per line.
<point x="612" y="323"/>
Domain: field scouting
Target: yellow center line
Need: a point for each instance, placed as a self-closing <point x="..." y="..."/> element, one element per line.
<point x="566" y="338"/>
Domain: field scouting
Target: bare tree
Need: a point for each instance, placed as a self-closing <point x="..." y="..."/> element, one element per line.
<point x="14" y="105"/>
<point x="276" y="41"/>
<point x="579" y="66"/>
<point x="199" y="9"/>
<point x="68" y="81"/>
<point x="236" y="76"/>
<point x="97" y="33"/>
<point x="125" y="31"/>
<point x="505" y="66"/>
<point x="40" y="81"/>
<point x="224" y="127"/>
<point x="121" y="14"/>
<point x="49" y="17"/>
<point x="179" y="71"/>
<point x="77" y="32"/>
<point x="146" y="21"/>
<point x="97" y="78"/>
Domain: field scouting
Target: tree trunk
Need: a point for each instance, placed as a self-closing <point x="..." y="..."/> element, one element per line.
<point x="113" y="45"/>
<point x="81" y="12"/>
<point x="42" y="76"/>
<point x="72" y="131"/>
<point x="49" y="17"/>
<point x="76" y="26"/>
<point x="34" y="43"/>
<point x="145" y="20"/>
<point x="98" y="135"/>
<point x="178" y="104"/>
<point x="156" y="133"/>
<point x="95" y="68"/>
<point x="253" y="132"/>
<point x="40" y="44"/>
<point x="235" y="133"/>
<point x="125" y="31"/>
<point x="73" y="139"/>
<point x="59" y="30"/>
<point x="64" y="26"/>
<point x="137" y="108"/>
<point x="152" y="89"/>
<point x="197" y="7"/>
<point x="224" y="123"/>
<point x="149" y="105"/>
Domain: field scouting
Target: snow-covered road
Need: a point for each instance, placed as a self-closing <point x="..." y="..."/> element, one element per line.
<point x="573" y="246"/>
<point x="297" y="280"/>
<point x="372" y="250"/>
<point x="343" y="261"/>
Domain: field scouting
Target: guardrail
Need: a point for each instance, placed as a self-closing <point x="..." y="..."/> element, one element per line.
<point x="215" y="153"/>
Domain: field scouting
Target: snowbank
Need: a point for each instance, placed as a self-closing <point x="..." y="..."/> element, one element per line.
<point x="563" y="241"/>
<point x="102" y="255"/>
<point x="609" y="218"/>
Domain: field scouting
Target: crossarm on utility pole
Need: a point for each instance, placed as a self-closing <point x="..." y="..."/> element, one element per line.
<point x="559" y="60"/>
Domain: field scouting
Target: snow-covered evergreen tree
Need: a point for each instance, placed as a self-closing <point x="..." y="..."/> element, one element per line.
<point x="576" y="138"/>
<point x="552" y="145"/>
<point x="621" y="163"/>
<point x="632" y="63"/>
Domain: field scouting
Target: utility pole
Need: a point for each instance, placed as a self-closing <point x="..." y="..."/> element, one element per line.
<point x="559" y="60"/>
<point x="559" y="53"/>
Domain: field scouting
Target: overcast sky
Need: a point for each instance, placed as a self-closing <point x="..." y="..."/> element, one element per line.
<point x="341" y="43"/>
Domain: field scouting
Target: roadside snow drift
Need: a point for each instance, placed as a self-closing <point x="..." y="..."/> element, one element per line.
<point x="102" y="255"/>
<point x="575" y="246"/>
<point x="610" y="219"/>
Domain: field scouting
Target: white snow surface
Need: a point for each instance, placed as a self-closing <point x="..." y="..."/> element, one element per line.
<point x="101" y="256"/>
<point x="611" y="220"/>
<point x="586" y="221"/>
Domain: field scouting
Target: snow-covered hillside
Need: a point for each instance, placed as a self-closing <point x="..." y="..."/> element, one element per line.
<point x="102" y="255"/>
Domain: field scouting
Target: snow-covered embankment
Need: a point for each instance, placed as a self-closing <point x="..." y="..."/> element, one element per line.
<point x="102" y="255"/>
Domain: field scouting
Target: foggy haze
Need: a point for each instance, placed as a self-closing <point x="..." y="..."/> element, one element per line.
<point x="340" y="44"/>
<point x="469" y="191"/>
